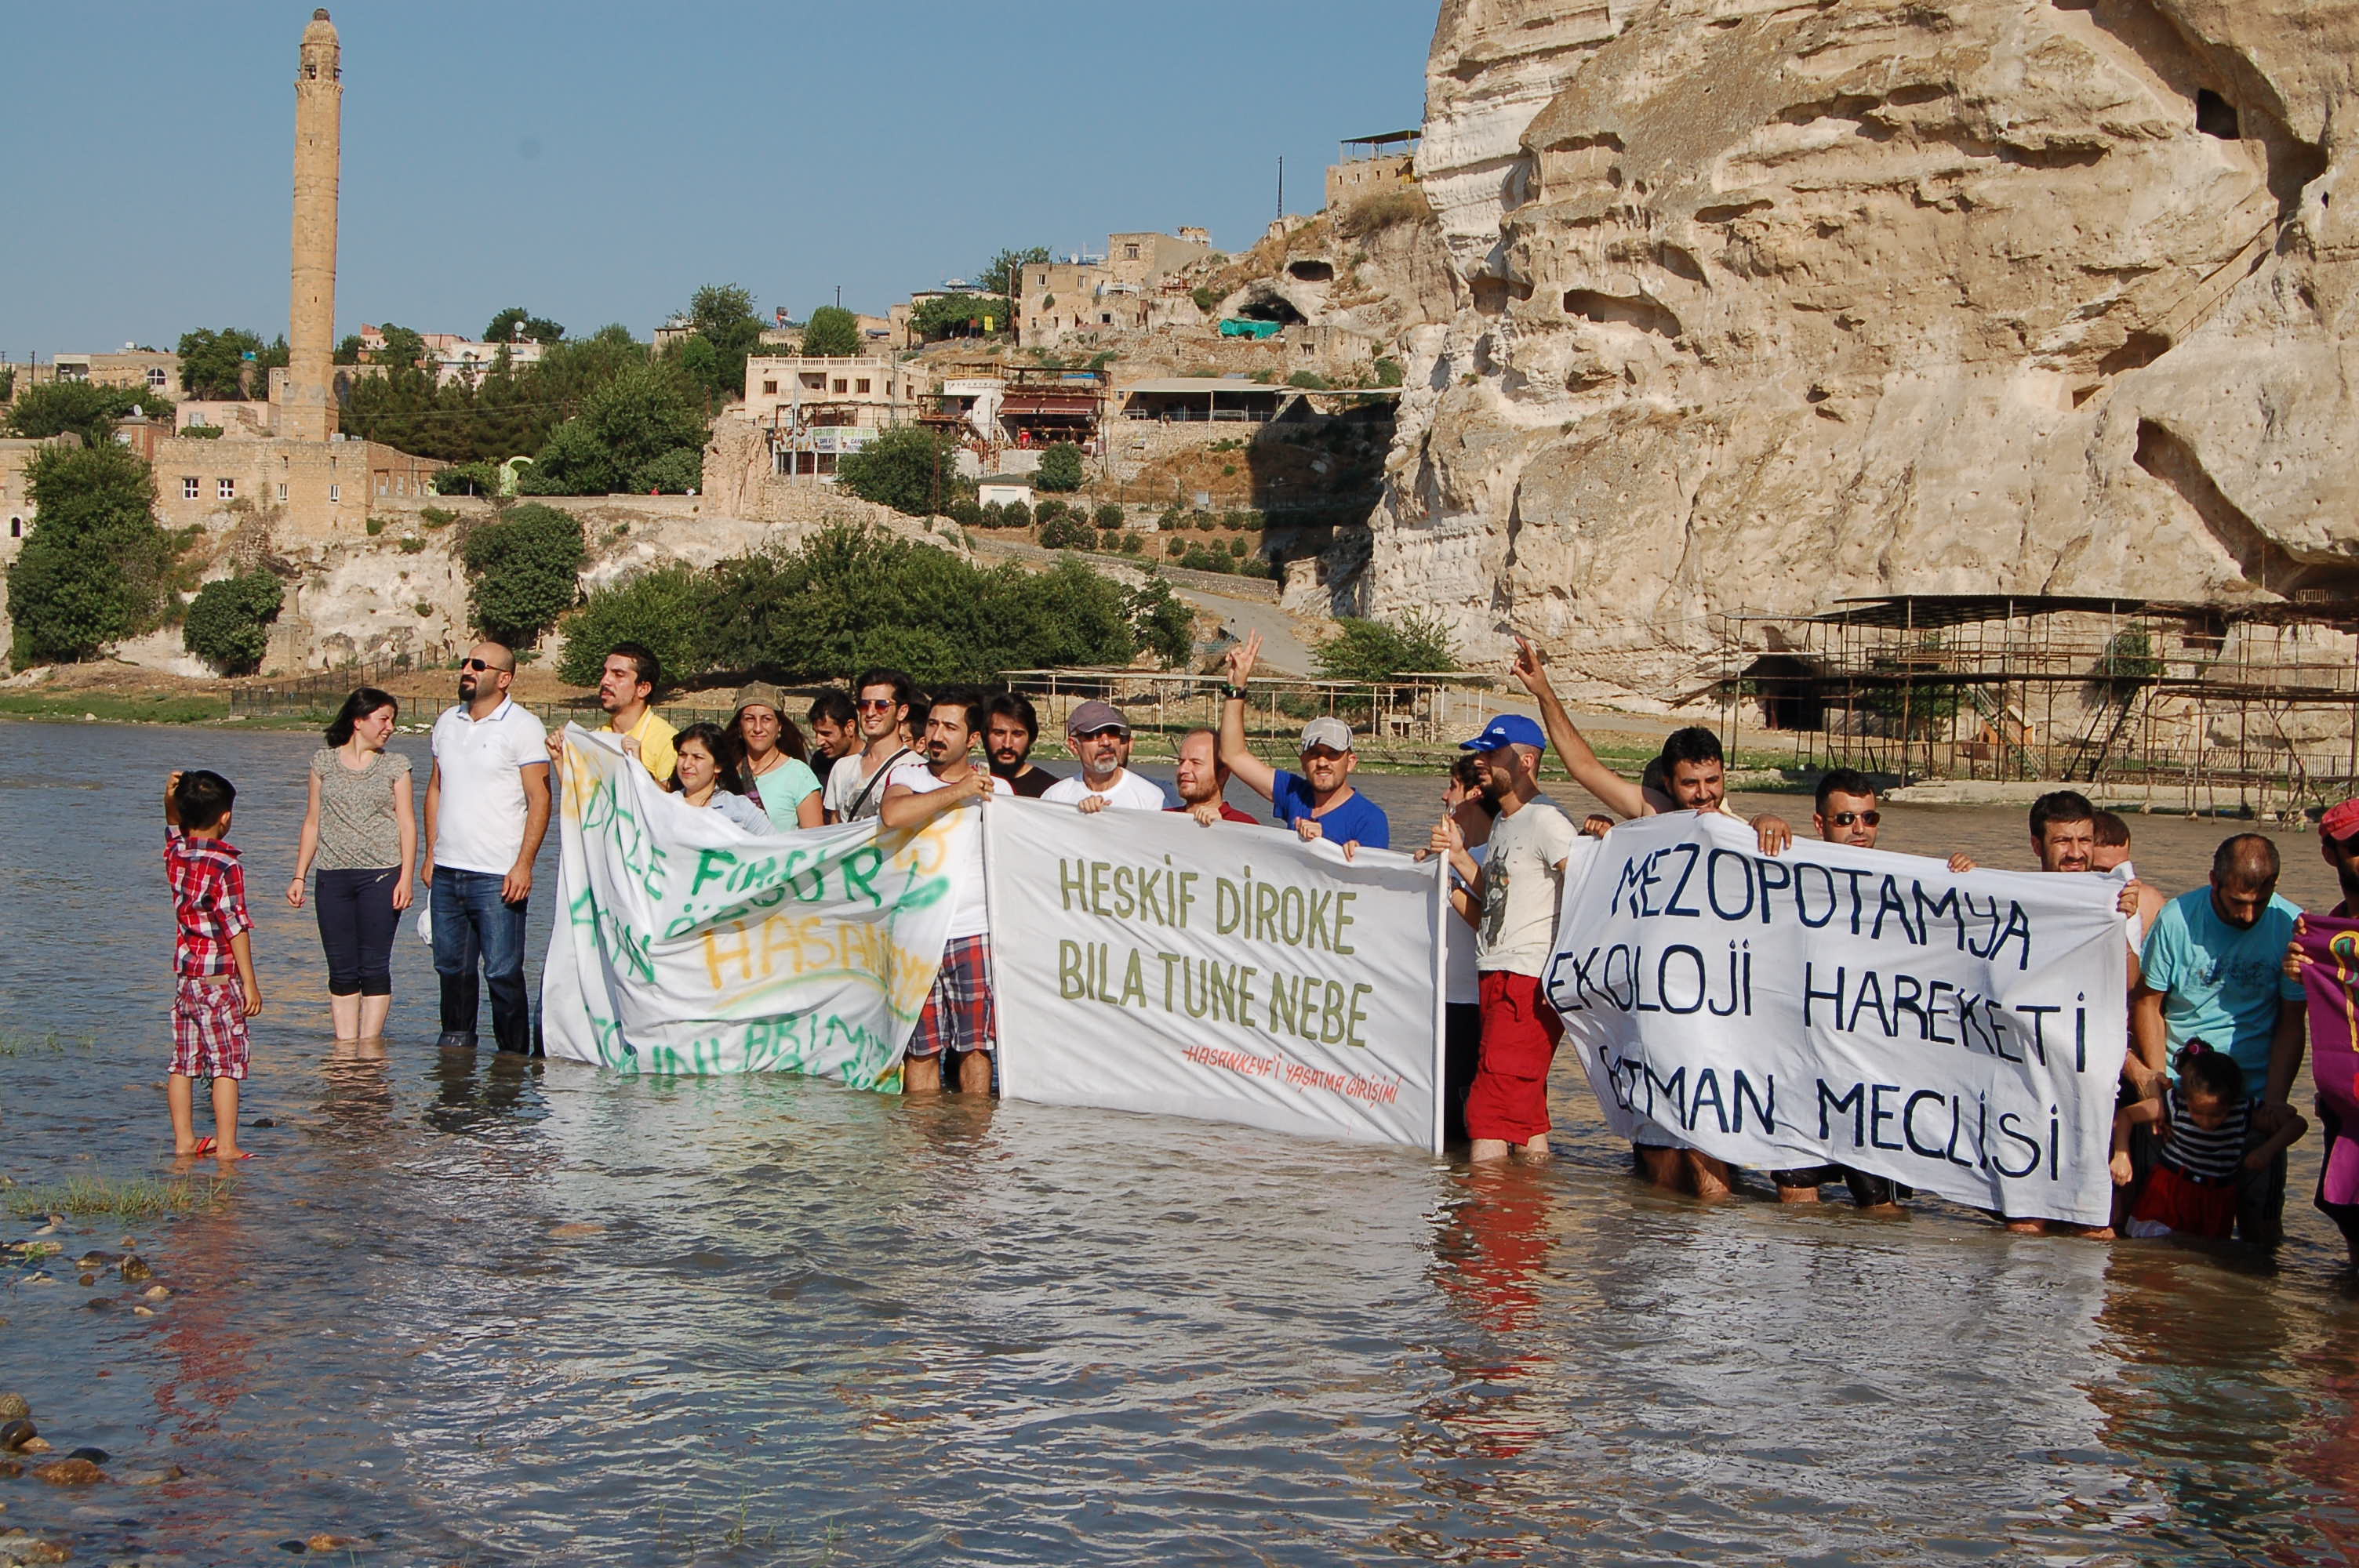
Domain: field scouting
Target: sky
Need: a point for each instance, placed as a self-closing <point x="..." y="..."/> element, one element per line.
<point x="595" y="162"/>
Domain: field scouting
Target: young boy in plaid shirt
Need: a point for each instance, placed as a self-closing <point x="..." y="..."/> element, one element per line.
<point x="209" y="1013"/>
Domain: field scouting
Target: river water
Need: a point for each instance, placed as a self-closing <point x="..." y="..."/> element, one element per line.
<point x="467" y="1311"/>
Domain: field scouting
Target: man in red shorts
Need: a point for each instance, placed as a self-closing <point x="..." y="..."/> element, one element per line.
<point x="1518" y="886"/>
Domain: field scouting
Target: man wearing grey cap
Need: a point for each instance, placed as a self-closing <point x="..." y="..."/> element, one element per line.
<point x="1099" y="736"/>
<point x="1319" y="801"/>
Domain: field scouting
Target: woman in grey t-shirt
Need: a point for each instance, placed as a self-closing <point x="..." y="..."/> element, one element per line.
<point x="361" y="831"/>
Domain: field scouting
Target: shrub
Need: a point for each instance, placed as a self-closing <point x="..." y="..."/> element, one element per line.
<point x="911" y="469"/>
<point x="1389" y="371"/>
<point x="1385" y="208"/>
<point x="1062" y="533"/>
<point x="1175" y="547"/>
<point x="374" y="527"/>
<point x="1379" y="650"/>
<point x="228" y="626"/>
<point x="669" y="608"/>
<point x="468" y="478"/>
<point x="91" y="570"/>
<point x="1310" y="379"/>
<point x="1207" y="298"/>
<point x="524" y="568"/>
<point x="1112" y="539"/>
<point x="1109" y="514"/>
<point x="201" y="433"/>
<point x="675" y="472"/>
<point x="1236" y="548"/>
<point x="1132" y="542"/>
<point x="1061" y="468"/>
<point x="412" y="545"/>
<point x="1015" y="515"/>
<point x="1201" y="559"/>
<point x="1050" y="511"/>
<point x="436" y="517"/>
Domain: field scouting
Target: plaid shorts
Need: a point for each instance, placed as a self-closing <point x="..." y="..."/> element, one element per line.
<point x="209" y="1029"/>
<point x="958" y="1015"/>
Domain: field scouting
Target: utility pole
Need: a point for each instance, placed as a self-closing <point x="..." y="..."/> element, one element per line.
<point x="1281" y="188"/>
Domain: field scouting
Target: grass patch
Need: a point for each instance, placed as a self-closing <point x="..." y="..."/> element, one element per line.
<point x="160" y="708"/>
<point x="24" y="1043"/>
<point x="139" y="1197"/>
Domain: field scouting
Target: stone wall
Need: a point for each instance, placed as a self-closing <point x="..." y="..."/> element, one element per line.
<point x="1766" y="304"/>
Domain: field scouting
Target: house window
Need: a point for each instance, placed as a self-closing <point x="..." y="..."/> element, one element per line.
<point x="225" y="489"/>
<point x="1130" y="252"/>
<point x="188" y="487"/>
<point x="335" y="493"/>
<point x="16" y="527"/>
<point x="156" y="378"/>
<point x="814" y="383"/>
<point x="282" y="492"/>
<point x="839" y="386"/>
<point x="770" y="387"/>
<point x="1105" y="318"/>
<point x="863" y="384"/>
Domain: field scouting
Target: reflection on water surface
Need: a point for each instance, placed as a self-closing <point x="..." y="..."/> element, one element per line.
<point x="466" y="1310"/>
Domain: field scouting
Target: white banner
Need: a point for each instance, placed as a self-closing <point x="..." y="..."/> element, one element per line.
<point x="1142" y="961"/>
<point x="684" y="945"/>
<point x="1958" y="1033"/>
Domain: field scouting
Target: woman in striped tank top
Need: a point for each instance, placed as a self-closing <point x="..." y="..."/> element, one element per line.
<point x="2205" y="1120"/>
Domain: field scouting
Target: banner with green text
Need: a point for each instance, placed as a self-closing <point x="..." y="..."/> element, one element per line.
<point x="1143" y="962"/>
<point x="685" y="945"/>
<point x="1960" y="1033"/>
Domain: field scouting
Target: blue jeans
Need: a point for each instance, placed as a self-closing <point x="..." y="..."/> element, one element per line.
<point x="471" y="922"/>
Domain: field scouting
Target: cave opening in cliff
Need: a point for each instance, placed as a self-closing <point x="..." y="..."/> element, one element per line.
<point x="1311" y="269"/>
<point x="1269" y="307"/>
<point x="2215" y="116"/>
<point x="1790" y="690"/>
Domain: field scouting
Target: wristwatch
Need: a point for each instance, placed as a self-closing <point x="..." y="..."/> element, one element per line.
<point x="1234" y="693"/>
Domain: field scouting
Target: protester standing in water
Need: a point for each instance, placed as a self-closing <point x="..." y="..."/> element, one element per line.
<point x="360" y="831"/>
<point x="775" y="771"/>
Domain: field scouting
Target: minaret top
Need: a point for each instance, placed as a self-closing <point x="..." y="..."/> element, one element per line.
<point x="320" y="47"/>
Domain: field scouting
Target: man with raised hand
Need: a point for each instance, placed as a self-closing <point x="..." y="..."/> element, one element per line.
<point x="855" y="785"/>
<point x="486" y="809"/>
<point x="1202" y="783"/>
<point x="1099" y="735"/>
<point x="959" y="1023"/>
<point x="1694" y="772"/>
<point x="1014" y="726"/>
<point x="1319" y="801"/>
<point x="2214" y="972"/>
<point x="1518" y="886"/>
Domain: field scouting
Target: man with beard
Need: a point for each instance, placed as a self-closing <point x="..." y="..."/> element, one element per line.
<point x="1013" y="725"/>
<point x="835" y="734"/>
<point x="1099" y="736"/>
<point x="486" y="809"/>
<point x="625" y="684"/>
<point x="958" y="1024"/>
<point x="1319" y="801"/>
<point x="1202" y="783"/>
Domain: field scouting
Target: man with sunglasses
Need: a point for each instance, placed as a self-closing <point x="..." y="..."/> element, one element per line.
<point x="486" y="810"/>
<point x="855" y="785"/>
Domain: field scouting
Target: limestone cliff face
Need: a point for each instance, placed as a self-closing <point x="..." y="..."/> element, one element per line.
<point x="1769" y="302"/>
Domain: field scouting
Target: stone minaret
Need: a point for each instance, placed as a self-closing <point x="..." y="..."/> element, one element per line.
<point x="309" y="410"/>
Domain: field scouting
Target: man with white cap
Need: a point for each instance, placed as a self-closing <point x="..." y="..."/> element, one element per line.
<point x="1319" y="801"/>
<point x="1099" y="736"/>
<point x="1518" y="886"/>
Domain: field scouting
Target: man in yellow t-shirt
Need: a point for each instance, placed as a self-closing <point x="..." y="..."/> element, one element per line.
<point x="629" y="678"/>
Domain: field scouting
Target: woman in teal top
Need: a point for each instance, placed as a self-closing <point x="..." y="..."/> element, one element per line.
<point x="784" y="782"/>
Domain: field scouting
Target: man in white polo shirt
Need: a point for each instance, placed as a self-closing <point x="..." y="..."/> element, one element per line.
<point x="1099" y="736"/>
<point x="486" y="809"/>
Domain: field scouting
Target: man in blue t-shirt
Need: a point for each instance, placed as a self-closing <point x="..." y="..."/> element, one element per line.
<point x="2213" y="970"/>
<point x="1319" y="801"/>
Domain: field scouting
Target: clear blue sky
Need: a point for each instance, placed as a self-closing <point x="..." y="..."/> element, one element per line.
<point x="595" y="162"/>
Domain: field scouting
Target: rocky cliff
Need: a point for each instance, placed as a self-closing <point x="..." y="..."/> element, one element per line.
<point x="1768" y="302"/>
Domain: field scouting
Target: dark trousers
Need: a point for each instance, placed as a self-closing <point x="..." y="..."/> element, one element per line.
<point x="471" y="923"/>
<point x="356" y="927"/>
<point x="2260" y="1198"/>
<point x="1462" y="1053"/>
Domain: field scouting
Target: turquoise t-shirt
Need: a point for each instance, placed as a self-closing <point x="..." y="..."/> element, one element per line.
<point x="782" y="789"/>
<point x="2221" y="985"/>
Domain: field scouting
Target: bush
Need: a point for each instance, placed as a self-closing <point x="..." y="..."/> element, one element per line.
<point x="228" y="626"/>
<point x="468" y="478"/>
<point x="1237" y="548"/>
<point x="1200" y="559"/>
<point x="372" y="526"/>
<point x="86" y="410"/>
<point x="91" y="570"/>
<point x="1061" y="468"/>
<point x="1379" y="650"/>
<point x="412" y="545"/>
<point x="436" y="517"/>
<point x="675" y="472"/>
<point x="911" y="469"/>
<point x="1389" y="371"/>
<point x="1062" y="533"/>
<point x="1207" y="298"/>
<point x="1132" y="542"/>
<point x="670" y="610"/>
<point x="1310" y="379"/>
<point x="1050" y="511"/>
<point x="1109" y="515"/>
<point x="524" y="568"/>
<point x="1112" y="539"/>
<point x="1402" y="204"/>
<point x="1015" y="515"/>
<point x="202" y="433"/>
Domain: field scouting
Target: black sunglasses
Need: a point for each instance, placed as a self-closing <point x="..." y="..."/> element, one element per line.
<point x="1845" y="818"/>
<point x="478" y="664"/>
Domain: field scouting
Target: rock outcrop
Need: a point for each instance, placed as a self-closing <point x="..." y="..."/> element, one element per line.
<point x="1770" y="302"/>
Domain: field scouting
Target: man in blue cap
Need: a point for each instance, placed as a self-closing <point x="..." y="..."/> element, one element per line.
<point x="1518" y="887"/>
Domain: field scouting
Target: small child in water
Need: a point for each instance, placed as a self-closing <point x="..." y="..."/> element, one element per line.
<point x="2206" y="1117"/>
<point x="212" y="960"/>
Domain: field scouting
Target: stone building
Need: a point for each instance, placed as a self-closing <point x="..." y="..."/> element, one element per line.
<point x="1138" y="284"/>
<point x="135" y="369"/>
<point x="1370" y="166"/>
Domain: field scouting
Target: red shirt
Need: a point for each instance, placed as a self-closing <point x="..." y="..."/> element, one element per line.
<point x="1228" y="814"/>
<point x="208" y="900"/>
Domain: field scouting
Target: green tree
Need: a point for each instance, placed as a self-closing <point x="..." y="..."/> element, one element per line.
<point x="622" y="438"/>
<point x="1061" y="468"/>
<point x="7" y="382"/>
<point x="832" y="333"/>
<point x="725" y="331"/>
<point x="348" y="349"/>
<point x="228" y="626"/>
<point x="1004" y="273"/>
<point x="1164" y="623"/>
<point x="911" y="469"/>
<point x="404" y="346"/>
<point x="963" y="316"/>
<point x="82" y="408"/>
<point x="669" y="608"/>
<point x="524" y="568"/>
<point x="92" y="569"/>
<point x="504" y="327"/>
<point x="214" y="366"/>
<point x="1380" y="650"/>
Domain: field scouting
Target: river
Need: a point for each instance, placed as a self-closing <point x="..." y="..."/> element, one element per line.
<point x="460" y="1310"/>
